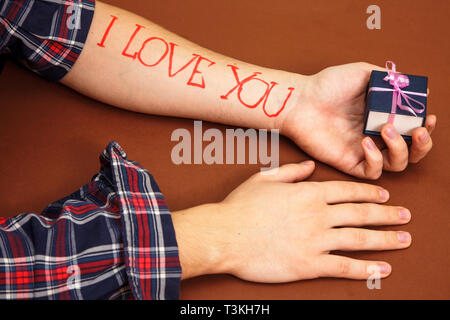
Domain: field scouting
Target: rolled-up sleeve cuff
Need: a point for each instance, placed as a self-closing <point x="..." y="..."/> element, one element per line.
<point x="46" y="36"/>
<point x="149" y="243"/>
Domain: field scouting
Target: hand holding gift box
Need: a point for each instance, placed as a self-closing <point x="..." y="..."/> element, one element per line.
<point x="328" y="121"/>
<point x="395" y="98"/>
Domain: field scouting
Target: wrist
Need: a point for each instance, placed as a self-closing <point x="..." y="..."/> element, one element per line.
<point x="293" y="117"/>
<point x="203" y="244"/>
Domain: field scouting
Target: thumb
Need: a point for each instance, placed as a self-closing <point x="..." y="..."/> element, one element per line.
<point x="289" y="172"/>
<point x="370" y="67"/>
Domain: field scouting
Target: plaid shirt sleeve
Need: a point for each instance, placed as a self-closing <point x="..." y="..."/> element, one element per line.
<point x="111" y="239"/>
<point x="47" y="36"/>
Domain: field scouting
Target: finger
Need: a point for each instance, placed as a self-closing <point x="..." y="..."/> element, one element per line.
<point x="342" y="267"/>
<point x="345" y="191"/>
<point x="289" y="172"/>
<point x="430" y="123"/>
<point x="355" y="239"/>
<point x="421" y="145"/>
<point x="396" y="154"/>
<point x="366" y="214"/>
<point x="372" y="166"/>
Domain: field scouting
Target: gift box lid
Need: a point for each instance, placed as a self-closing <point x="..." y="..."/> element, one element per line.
<point x="381" y="101"/>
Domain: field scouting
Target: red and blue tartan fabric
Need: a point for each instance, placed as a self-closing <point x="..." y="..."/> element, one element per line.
<point x="47" y="36"/>
<point x="111" y="239"/>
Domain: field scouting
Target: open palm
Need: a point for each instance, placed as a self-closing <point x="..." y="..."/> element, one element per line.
<point x="328" y="125"/>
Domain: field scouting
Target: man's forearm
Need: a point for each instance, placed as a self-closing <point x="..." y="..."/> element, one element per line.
<point x="131" y="63"/>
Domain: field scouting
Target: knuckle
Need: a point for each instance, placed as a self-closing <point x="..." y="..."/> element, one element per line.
<point x="400" y="166"/>
<point x="375" y="175"/>
<point x="420" y="152"/>
<point x="403" y="163"/>
<point x="373" y="192"/>
<point x="414" y="160"/>
<point x="363" y="65"/>
<point x="353" y="190"/>
<point x="418" y="146"/>
<point x="427" y="147"/>
<point x="364" y="213"/>
<point x="343" y="268"/>
<point x="390" y="238"/>
<point x="360" y="237"/>
<point x="389" y="215"/>
<point x="393" y="213"/>
<point x="422" y="148"/>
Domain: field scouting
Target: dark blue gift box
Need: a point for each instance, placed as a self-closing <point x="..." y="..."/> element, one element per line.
<point x="379" y="104"/>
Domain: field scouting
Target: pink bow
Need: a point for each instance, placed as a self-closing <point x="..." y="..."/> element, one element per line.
<point x="399" y="81"/>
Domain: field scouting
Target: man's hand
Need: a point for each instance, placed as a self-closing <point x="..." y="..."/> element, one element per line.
<point x="273" y="228"/>
<point x="328" y="122"/>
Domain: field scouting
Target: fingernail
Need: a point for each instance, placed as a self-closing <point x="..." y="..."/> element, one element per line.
<point x="384" y="268"/>
<point x="369" y="144"/>
<point x="308" y="163"/>
<point x="403" y="237"/>
<point x="384" y="194"/>
<point x="424" y="137"/>
<point x="404" y="214"/>
<point x="391" y="132"/>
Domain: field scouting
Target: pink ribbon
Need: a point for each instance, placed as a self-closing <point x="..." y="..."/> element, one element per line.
<point x="399" y="81"/>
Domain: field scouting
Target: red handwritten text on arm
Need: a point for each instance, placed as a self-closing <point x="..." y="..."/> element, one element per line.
<point x="240" y="86"/>
<point x="196" y="78"/>
<point x="105" y="35"/>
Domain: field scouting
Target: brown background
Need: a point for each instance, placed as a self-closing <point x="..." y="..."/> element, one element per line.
<point x="51" y="136"/>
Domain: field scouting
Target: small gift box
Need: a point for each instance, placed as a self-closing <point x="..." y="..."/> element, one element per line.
<point x="395" y="98"/>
